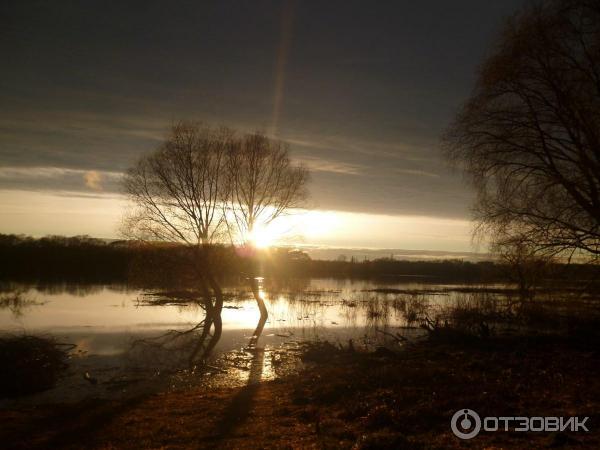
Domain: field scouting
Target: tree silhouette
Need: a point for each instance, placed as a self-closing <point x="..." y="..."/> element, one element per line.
<point x="529" y="136"/>
<point x="177" y="193"/>
<point x="264" y="184"/>
<point x="206" y="186"/>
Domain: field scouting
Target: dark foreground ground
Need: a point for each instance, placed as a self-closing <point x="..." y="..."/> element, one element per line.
<point x="348" y="399"/>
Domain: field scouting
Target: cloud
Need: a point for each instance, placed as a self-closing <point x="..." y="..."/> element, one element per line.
<point x="417" y="150"/>
<point x="8" y="173"/>
<point x="421" y="173"/>
<point x="57" y="179"/>
<point x="316" y="164"/>
<point x="92" y="180"/>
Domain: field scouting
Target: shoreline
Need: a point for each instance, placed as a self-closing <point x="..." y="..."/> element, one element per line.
<point x="346" y="399"/>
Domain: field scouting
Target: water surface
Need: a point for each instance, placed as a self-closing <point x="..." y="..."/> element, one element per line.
<point x="103" y="322"/>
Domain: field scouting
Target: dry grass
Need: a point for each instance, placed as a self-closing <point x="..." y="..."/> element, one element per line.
<point x="348" y="399"/>
<point x="29" y="364"/>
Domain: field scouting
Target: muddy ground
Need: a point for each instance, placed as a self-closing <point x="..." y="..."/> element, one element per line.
<point x="345" y="398"/>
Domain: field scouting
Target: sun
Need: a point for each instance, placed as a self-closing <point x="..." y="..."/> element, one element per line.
<point x="261" y="237"/>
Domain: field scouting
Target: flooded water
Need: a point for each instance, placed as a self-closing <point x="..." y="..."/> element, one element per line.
<point x="98" y="318"/>
<point x="105" y="322"/>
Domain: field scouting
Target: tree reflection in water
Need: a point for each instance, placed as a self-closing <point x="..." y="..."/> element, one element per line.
<point x="195" y="346"/>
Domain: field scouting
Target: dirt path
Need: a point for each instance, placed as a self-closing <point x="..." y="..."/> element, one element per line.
<point x="256" y="416"/>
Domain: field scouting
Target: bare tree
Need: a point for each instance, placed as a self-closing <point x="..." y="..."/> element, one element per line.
<point x="177" y="193"/>
<point x="523" y="265"/>
<point x="205" y="186"/>
<point x="529" y="136"/>
<point x="265" y="185"/>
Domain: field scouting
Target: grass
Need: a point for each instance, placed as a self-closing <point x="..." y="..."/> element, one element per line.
<point x="16" y="302"/>
<point x="348" y="399"/>
<point x="29" y="364"/>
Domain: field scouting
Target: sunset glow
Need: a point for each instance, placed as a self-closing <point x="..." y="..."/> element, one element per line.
<point x="40" y="214"/>
<point x="262" y="237"/>
<point x="299" y="224"/>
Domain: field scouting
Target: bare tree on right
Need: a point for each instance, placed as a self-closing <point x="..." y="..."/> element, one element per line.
<point x="529" y="136"/>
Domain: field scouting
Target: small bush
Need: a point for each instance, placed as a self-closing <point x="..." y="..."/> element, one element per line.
<point x="29" y="364"/>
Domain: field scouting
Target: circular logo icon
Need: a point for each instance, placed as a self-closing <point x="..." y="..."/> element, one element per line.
<point x="465" y="423"/>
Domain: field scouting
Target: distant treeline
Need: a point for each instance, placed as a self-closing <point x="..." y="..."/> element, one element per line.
<point x="85" y="259"/>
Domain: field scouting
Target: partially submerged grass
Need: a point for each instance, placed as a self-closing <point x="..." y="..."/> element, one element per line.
<point x="348" y="397"/>
<point x="16" y="301"/>
<point x="185" y="297"/>
<point x="30" y="364"/>
<point x="174" y="297"/>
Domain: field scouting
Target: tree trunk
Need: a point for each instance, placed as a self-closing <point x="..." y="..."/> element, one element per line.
<point x="264" y="314"/>
<point x="208" y="321"/>
<point x="216" y="313"/>
<point x="218" y="329"/>
<point x="205" y="332"/>
<point x="213" y="311"/>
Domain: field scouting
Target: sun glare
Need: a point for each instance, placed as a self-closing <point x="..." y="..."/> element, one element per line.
<point x="299" y="226"/>
<point x="261" y="237"/>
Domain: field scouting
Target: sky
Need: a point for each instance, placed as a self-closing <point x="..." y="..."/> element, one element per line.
<point x="361" y="91"/>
